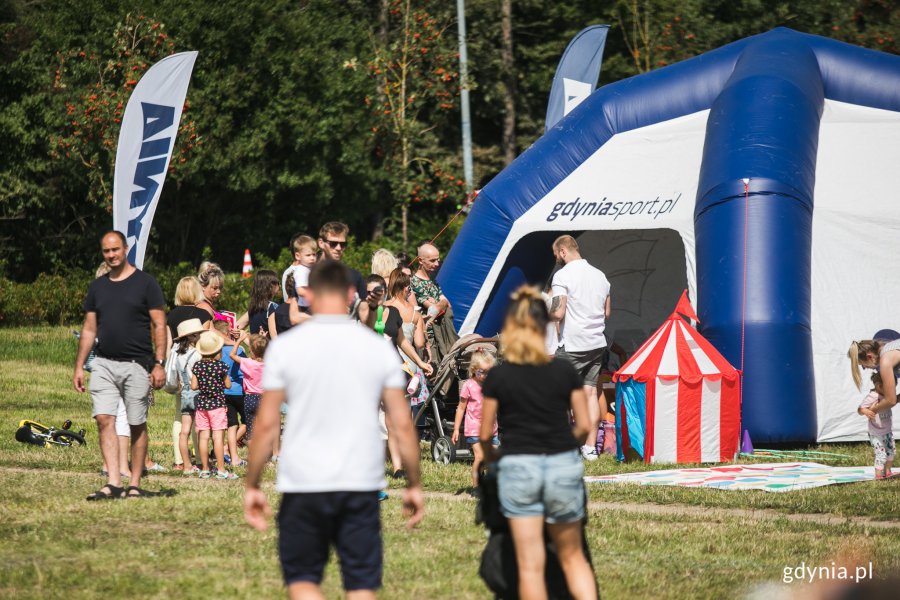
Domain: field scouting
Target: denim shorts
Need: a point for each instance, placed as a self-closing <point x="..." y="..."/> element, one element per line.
<point x="474" y="439"/>
<point x="547" y="485"/>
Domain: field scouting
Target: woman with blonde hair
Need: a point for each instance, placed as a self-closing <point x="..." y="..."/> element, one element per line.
<point x="383" y="263"/>
<point x="188" y="294"/>
<point x="540" y="471"/>
<point x="212" y="282"/>
<point x="884" y="357"/>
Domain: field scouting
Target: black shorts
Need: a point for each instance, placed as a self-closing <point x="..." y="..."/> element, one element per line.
<point x="309" y="524"/>
<point x="587" y="363"/>
<point x="235" y="407"/>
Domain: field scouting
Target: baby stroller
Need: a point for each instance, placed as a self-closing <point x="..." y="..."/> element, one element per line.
<point x="436" y="416"/>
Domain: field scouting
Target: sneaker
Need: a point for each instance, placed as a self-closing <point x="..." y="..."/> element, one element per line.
<point x="226" y="475"/>
<point x="205" y="475"/>
<point x="154" y="468"/>
<point x="589" y="453"/>
<point x="382" y="495"/>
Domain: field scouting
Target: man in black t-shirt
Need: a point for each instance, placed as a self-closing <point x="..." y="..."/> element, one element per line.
<point x="124" y="309"/>
<point x="333" y="242"/>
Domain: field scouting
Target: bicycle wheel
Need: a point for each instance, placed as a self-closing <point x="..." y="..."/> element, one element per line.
<point x="66" y="438"/>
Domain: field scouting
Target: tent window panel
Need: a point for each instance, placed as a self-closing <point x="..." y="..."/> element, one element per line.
<point x="647" y="272"/>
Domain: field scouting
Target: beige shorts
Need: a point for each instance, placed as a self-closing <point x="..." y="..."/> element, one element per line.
<point x="114" y="381"/>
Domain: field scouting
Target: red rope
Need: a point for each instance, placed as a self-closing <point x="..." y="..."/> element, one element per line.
<point x="469" y="199"/>
<point x="744" y="291"/>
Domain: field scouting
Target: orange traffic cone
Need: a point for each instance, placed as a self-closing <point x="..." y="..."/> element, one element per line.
<point x="248" y="265"/>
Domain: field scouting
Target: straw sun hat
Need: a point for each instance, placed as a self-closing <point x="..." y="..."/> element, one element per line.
<point x="210" y="343"/>
<point x="189" y="326"/>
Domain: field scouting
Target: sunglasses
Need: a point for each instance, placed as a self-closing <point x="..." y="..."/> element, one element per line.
<point x="335" y="243"/>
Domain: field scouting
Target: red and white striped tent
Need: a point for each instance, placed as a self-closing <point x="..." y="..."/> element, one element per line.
<point x="677" y="399"/>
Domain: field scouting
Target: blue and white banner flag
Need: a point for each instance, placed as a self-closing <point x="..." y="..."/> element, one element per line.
<point x="145" y="148"/>
<point x="577" y="74"/>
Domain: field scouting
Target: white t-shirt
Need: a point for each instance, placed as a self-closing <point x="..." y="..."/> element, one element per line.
<point x="301" y="279"/>
<point x="333" y="372"/>
<point x="586" y="289"/>
<point x="551" y="337"/>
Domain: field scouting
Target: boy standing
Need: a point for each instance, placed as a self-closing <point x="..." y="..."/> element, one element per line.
<point x="304" y="250"/>
<point x="234" y="396"/>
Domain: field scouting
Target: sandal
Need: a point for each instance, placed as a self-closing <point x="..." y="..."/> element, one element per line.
<point x="205" y="474"/>
<point x="194" y="470"/>
<point x="138" y="492"/>
<point x="223" y="475"/>
<point x="115" y="493"/>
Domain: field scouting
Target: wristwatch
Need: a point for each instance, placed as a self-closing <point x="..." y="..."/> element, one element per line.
<point x="159" y="362"/>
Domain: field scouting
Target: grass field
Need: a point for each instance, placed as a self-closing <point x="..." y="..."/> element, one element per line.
<point x="196" y="545"/>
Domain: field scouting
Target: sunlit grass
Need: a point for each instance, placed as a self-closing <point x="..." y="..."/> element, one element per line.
<point x="195" y="544"/>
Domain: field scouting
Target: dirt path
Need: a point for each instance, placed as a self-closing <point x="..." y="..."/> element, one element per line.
<point x="648" y="508"/>
<point x="711" y="514"/>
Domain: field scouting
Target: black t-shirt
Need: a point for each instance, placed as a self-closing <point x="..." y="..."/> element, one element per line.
<point x="532" y="405"/>
<point x="282" y="318"/>
<point x="359" y="282"/>
<point x="393" y="322"/>
<point x="260" y="320"/>
<point x="180" y="314"/>
<point x="123" y="315"/>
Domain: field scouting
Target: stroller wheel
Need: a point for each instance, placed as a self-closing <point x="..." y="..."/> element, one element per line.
<point x="442" y="450"/>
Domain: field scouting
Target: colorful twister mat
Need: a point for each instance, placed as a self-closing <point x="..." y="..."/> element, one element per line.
<point x="779" y="477"/>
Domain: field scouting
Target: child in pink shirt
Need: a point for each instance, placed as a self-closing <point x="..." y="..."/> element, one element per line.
<point x="470" y="402"/>
<point x="881" y="434"/>
<point x="252" y="370"/>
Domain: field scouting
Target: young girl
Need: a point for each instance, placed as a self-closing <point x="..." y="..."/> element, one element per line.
<point x="252" y="369"/>
<point x="880" y="430"/>
<point x="265" y="287"/>
<point x="470" y="401"/>
<point x="185" y="355"/>
<point x="210" y="378"/>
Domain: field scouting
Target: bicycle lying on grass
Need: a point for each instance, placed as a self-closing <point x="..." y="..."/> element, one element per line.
<point x="32" y="432"/>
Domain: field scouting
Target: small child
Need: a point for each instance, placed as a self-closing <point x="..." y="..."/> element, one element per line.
<point x="234" y="397"/>
<point x="880" y="430"/>
<point x="210" y="377"/>
<point x="304" y="249"/>
<point x="185" y="356"/>
<point x="252" y="369"/>
<point x="470" y="402"/>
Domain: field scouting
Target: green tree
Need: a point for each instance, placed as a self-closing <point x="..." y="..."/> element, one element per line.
<point x="414" y="68"/>
<point x="97" y="88"/>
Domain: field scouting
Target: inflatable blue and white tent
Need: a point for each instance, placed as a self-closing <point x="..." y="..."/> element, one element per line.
<point x="648" y="174"/>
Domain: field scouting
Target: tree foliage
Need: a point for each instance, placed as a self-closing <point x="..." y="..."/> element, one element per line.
<point x="299" y="111"/>
<point x="415" y="70"/>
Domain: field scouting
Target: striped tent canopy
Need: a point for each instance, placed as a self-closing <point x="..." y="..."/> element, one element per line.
<point x="677" y="399"/>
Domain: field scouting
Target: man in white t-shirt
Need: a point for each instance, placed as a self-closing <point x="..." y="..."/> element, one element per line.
<point x="581" y="305"/>
<point x="331" y="495"/>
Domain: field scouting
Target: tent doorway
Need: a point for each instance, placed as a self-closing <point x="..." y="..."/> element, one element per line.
<point x="647" y="271"/>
